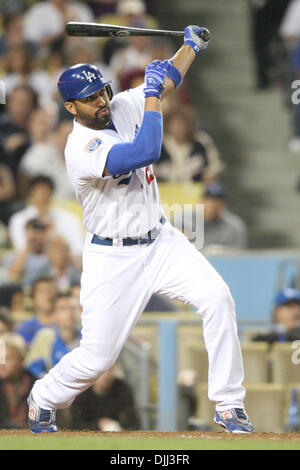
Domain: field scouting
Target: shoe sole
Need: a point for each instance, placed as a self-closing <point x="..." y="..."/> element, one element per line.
<point x="38" y="431"/>
<point x="222" y="425"/>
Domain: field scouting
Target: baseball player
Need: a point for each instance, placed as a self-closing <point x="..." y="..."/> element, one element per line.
<point x="131" y="251"/>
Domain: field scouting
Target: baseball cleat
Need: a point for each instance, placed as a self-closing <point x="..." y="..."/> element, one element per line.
<point x="234" y="420"/>
<point x="39" y="419"/>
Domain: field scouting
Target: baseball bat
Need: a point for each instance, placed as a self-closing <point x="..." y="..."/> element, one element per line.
<point x="109" y="30"/>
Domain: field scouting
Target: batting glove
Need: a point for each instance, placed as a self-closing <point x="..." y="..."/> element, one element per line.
<point x="192" y="39"/>
<point x="155" y="74"/>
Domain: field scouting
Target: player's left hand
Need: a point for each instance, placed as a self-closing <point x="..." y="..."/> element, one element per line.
<point x="155" y="75"/>
<point x="192" y="39"/>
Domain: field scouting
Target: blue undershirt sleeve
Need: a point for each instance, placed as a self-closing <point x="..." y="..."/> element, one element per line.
<point x="143" y="151"/>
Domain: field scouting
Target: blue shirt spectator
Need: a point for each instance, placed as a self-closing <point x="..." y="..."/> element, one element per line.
<point x="286" y="317"/>
<point x="29" y="328"/>
<point x="51" y="344"/>
<point x="47" y="350"/>
<point x="43" y="293"/>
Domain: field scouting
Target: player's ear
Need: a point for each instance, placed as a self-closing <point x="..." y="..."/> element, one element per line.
<point x="70" y="106"/>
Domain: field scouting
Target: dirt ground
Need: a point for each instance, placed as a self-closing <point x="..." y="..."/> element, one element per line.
<point x="166" y="435"/>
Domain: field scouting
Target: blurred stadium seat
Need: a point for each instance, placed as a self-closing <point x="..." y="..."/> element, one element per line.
<point x="180" y="193"/>
<point x="266" y="404"/>
<point x="147" y="333"/>
<point x="283" y="369"/>
<point x="197" y="359"/>
<point x="186" y="335"/>
<point x="255" y="357"/>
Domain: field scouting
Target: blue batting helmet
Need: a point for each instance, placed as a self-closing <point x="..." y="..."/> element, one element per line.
<point x="81" y="81"/>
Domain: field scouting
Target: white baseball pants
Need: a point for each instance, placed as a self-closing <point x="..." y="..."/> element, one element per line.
<point x="116" y="285"/>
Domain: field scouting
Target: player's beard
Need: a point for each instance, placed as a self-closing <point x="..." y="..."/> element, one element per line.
<point x="97" y="121"/>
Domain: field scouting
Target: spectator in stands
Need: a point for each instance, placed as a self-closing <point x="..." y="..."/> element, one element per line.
<point x="75" y="291"/>
<point x="14" y="124"/>
<point x="46" y="154"/>
<point x="290" y="32"/>
<point x="6" y="322"/>
<point x="15" y="383"/>
<point x="137" y="54"/>
<point x="51" y="344"/>
<point x="106" y="406"/>
<point x="128" y="13"/>
<point x="45" y="21"/>
<point x="187" y="154"/>
<point x="132" y="79"/>
<point x="59" y="220"/>
<point x="290" y="27"/>
<point x="13" y="33"/>
<point x="85" y="53"/>
<point x="25" y="265"/>
<point x="4" y="242"/>
<point x="286" y="318"/>
<point x="12" y="297"/>
<point x="266" y="16"/>
<point x="43" y="293"/>
<point x="102" y="6"/>
<point x="8" y="204"/>
<point x="59" y="265"/>
<point x="21" y="69"/>
<point x="221" y="227"/>
<point x="54" y="62"/>
<point x="13" y="7"/>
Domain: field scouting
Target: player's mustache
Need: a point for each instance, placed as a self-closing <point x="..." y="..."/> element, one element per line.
<point x="102" y="108"/>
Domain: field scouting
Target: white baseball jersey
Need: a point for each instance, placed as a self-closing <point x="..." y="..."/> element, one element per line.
<point x="118" y="280"/>
<point x="120" y="206"/>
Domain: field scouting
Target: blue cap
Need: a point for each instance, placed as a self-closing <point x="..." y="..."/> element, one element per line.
<point x="215" y="189"/>
<point x="81" y="81"/>
<point x="287" y="295"/>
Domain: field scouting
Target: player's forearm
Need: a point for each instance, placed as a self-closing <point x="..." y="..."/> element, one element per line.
<point x="185" y="56"/>
<point x="146" y="147"/>
<point x="144" y="150"/>
<point x="183" y="59"/>
<point x="153" y="104"/>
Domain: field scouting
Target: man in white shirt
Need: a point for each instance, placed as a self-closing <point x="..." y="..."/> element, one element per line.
<point x="45" y="21"/>
<point x="58" y="220"/>
<point x="46" y="154"/>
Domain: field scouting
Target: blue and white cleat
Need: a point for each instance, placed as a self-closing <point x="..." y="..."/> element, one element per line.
<point x="234" y="420"/>
<point x="39" y="419"/>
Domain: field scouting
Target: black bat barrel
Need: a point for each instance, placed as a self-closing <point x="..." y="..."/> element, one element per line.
<point x="107" y="30"/>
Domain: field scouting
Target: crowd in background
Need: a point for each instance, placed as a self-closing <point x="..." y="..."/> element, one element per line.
<point x="275" y="34"/>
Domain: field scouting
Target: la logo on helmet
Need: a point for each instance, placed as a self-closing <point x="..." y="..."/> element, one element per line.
<point x="89" y="75"/>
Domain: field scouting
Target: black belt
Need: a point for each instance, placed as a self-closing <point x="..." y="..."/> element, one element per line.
<point x="149" y="238"/>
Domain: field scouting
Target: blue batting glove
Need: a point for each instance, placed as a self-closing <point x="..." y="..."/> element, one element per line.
<point x="155" y="75"/>
<point x="192" y="39"/>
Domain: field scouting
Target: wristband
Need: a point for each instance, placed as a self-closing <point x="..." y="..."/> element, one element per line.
<point x="175" y="76"/>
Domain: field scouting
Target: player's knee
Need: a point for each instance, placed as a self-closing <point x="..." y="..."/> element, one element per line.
<point x="95" y="365"/>
<point x="218" y="299"/>
<point x="101" y="367"/>
<point x="222" y="295"/>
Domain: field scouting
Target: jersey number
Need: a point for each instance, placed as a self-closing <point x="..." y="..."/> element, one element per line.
<point x="150" y="175"/>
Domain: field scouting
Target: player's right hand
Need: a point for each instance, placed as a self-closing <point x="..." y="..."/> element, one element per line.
<point x="192" y="39"/>
<point x="155" y="75"/>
